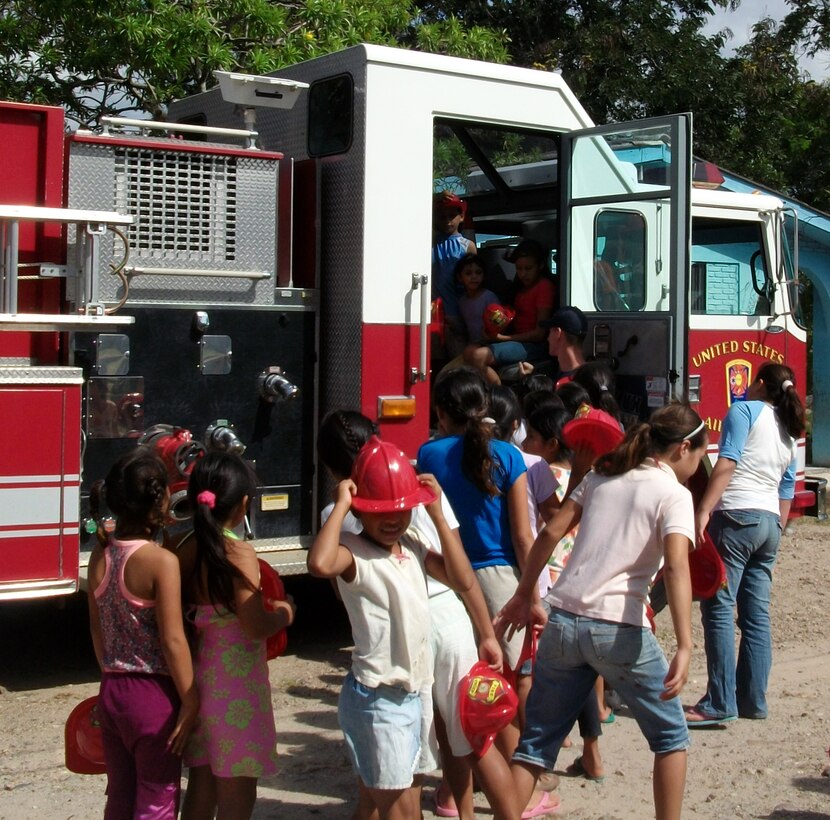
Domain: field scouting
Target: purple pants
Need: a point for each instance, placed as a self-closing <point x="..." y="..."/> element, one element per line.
<point x="138" y="714"/>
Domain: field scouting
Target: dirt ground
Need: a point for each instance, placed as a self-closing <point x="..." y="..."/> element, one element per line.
<point x="751" y="769"/>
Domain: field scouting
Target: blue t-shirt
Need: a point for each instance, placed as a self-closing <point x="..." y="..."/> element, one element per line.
<point x="484" y="523"/>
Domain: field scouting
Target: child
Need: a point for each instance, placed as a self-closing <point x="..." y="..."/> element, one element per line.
<point x="381" y="578"/>
<point x="598" y="623"/>
<point x="535" y="298"/>
<point x="234" y="740"/>
<point x="449" y="245"/>
<point x="148" y="701"/>
<point x="341" y="436"/>
<point x="470" y="274"/>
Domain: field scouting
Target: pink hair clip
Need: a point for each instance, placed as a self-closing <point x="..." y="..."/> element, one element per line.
<point x="207" y="498"/>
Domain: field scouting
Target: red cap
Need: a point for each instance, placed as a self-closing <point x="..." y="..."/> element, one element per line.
<point x="83" y="742"/>
<point x="594" y="430"/>
<point x="272" y="587"/>
<point x="486" y="704"/>
<point x="497" y="319"/>
<point x="446" y="199"/>
<point x="386" y="481"/>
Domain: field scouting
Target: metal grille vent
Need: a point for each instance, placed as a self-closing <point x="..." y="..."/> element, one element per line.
<point x="184" y="204"/>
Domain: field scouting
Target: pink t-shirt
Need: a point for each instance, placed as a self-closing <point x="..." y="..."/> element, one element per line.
<point x="528" y="302"/>
<point x="619" y="545"/>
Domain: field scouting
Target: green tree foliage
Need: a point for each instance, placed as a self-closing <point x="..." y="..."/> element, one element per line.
<point x="99" y="58"/>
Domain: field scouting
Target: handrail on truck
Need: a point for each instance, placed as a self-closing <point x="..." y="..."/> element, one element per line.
<point x="93" y="224"/>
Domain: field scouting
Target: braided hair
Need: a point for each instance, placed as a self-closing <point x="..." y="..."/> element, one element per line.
<point x="341" y="436"/>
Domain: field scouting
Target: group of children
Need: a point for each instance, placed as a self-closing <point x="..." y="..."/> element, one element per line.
<point x="179" y="635"/>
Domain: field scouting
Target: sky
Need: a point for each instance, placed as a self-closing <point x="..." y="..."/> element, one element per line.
<point x="748" y="13"/>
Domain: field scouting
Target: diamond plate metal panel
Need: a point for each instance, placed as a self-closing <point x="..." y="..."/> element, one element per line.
<point x="194" y="211"/>
<point x="342" y="214"/>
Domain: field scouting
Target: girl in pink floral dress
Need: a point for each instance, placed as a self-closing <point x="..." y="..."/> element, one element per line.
<point x="234" y="742"/>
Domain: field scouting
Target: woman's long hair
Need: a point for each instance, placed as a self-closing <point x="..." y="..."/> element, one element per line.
<point x="462" y="394"/>
<point x="787" y="403"/>
<point x="667" y="426"/>
<point x="229" y="479"/>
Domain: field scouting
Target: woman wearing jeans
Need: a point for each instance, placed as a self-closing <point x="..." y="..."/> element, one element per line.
<point x="750" y="491"/>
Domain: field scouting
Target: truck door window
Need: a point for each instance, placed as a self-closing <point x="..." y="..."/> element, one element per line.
<point x="619" y="261"/>
<point x="729" y="269"/>
<point x="330" y="112"/>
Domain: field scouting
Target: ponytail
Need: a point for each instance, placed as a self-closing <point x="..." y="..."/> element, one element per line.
<point x="779" y="388"/>
<point x="667" y="426"/>
<point x="462" y="395"/>
<point x="218" y="484"/>
<point x="598" y="381"/>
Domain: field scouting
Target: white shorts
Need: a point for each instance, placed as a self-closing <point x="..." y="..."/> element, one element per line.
<point x="498" y="584"/>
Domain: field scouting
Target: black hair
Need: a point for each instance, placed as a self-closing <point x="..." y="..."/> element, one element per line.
<point x="341" y="435"/>
<point x="229" y="479"/>
<point x="539" y="398"/>
<point x="598" y="380"/>
<point x="533" y="382"/>
<point x="465" y="261"/>
<point x="548" y="420"/>
<point x="505" y="410"/>
<point x="534" y="250"/>
<point x="573" y="396"/>
<point x="462" y="394"/>
<point x="135" y="490"/>
<point x="787" y="402"/>
<point x="667" y="426"/>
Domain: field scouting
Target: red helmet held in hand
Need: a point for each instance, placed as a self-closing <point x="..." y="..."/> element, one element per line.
<point x="486" y="704"/>
<point x="83" y="742"/>
<point x="497" y="319"/>
<point x="272" y="589"/>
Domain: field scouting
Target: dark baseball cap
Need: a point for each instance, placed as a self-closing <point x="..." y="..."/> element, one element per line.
<point x="571" y="319"/>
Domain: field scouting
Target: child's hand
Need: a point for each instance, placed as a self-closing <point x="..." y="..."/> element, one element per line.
<point x="188" y="712"/>
<point x="429" y="481"/>
<point x="490" y="652"/>
<point x="501" y="337"/>
<point x="677" y="675"/>
<point x="286" y="608"/>
<point x="344" y="492"/>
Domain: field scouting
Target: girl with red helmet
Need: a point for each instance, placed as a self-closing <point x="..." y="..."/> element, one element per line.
<point x="381" y="578"/>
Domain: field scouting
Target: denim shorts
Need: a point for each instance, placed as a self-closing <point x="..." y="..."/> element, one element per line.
<point x="572" y="652"/>
<point x="511" y="352"/>
<point x="382" y="727"/>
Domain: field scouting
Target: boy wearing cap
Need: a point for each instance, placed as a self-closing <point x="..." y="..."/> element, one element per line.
<point x="568" y="329"/>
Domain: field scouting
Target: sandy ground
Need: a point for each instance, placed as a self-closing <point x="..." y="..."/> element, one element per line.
<point x="751" y="769"/>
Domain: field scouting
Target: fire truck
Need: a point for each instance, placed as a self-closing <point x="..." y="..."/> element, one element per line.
<point x="222" y="280"/>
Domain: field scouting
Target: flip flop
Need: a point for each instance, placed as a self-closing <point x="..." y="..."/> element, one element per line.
<point x="577" y="769"/>
<point x="543" y="808"/>
<point x="442" y="811"/>
<point x="610" y="719"/>
<point x="695" y="719"/>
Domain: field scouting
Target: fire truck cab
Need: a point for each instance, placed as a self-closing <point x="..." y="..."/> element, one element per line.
<point x="266" y="257"/>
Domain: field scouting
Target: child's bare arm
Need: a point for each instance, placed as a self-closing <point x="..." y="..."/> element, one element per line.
<point x="679" y="593"/>
<point x="327" y="558"/>
<point x="174" y="645"/>
<point x="520" y="530"/>
<point x="257" y="621"/>
<point x="95" y="573"/>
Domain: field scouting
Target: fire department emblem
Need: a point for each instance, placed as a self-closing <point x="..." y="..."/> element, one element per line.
<point x="738" y="379"/>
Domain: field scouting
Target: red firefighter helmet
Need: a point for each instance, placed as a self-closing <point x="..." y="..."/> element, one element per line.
<point x="83" y="743"/>
<point x="594" y="430"/>
<point x="497" y="319"/>
<point x="706" y="568"/>
<point x="273" y="588"/>
<point x="386" y="481"/>
<point x="486" y="704"/>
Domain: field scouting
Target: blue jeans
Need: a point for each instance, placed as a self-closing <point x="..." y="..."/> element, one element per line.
<point x="572" y="651"/>
<point x="748" y="543"/>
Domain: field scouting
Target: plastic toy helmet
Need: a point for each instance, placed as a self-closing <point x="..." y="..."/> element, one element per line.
<point x="486" y="704"/>
<point x="386" y="481"/>
<point x="706" y="569"/>
<point x="273" y="588"/>
<point x="497" y="318"/>
<point x="83" y="742"/>
<point x="592" y="429"/>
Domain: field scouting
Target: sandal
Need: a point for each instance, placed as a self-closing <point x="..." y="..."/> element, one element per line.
<point x="695" y="719"/>
<point x="443" y="811"/>
<point x="577" y="769"/>
<point x="543" y="808"/>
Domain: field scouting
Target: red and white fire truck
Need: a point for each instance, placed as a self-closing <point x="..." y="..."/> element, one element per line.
<point x="223" y="280"/>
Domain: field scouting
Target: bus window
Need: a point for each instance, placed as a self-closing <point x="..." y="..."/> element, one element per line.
<point x="729" y="269"/>
<point x="619" y="261"/>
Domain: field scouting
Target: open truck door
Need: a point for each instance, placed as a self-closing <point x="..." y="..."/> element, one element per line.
<point x="624" y="251"/>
